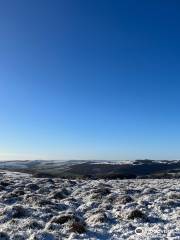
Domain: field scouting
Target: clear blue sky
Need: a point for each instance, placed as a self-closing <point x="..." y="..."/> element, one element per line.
<point x="89" y="79"/>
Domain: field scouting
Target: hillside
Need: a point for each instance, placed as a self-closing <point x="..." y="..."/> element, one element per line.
<point x="97" y="169"/>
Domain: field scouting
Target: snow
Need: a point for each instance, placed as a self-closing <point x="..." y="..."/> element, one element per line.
<point x="53" y="209"/>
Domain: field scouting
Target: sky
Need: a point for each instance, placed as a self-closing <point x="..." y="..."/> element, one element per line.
<point x="92" y="79"/>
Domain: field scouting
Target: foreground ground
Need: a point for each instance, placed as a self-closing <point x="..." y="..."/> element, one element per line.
<point x="53" y="209"/>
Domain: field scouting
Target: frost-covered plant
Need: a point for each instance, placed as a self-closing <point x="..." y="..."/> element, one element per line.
<point x="136" y="214"/>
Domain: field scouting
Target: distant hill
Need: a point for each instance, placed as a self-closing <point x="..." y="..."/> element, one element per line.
<point x="97" y="169"/>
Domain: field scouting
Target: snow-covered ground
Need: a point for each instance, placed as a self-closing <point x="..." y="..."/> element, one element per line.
<point x="53" y="209"/>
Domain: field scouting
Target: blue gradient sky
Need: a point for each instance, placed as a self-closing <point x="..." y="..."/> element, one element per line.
<point x="89" y="79"/>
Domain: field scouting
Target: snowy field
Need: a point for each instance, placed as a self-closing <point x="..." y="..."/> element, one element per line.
<point x="53" y="209"/>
